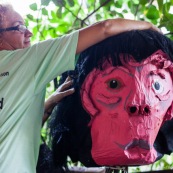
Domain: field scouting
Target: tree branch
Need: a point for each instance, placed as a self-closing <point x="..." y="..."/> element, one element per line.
<point x="83" y="21"/>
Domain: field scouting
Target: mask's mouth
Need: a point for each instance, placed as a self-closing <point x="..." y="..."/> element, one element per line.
<point x="139" y="150"/>
<point x="135" y="143"/>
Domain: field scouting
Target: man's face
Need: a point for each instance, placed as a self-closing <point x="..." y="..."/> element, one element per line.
<point x="12" y="40"/>
<point x="127" y="105"/>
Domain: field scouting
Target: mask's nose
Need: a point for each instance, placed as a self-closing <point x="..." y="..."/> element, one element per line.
<point x="138" y="109"/>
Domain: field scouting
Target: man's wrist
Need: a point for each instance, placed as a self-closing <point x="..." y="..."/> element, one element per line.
<point x="48" y="112"/>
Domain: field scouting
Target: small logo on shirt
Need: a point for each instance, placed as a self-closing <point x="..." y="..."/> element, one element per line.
<point x="1" y="103"/>
<point x="4" y="74"/>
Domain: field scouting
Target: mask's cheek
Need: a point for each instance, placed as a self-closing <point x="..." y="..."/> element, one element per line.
<point x="161" y="104"/>
<point x="105" y="91"/>
<point x="108" y="99"/>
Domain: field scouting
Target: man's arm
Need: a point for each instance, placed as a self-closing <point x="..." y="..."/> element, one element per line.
<point x="62" y="91"/>
<point x="102" y="30"/>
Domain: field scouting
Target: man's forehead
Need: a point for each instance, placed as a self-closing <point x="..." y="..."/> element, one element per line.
<point x="12" y="21"/>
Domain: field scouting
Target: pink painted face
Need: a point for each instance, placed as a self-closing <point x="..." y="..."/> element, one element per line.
<point x="128" y="104"/>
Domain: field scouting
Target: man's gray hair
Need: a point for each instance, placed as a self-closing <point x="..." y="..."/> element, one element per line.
<point x="4" y="8"/>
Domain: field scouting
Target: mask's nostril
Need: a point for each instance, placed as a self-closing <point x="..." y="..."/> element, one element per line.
<point x="147" y="110"/>
<point x="138" y="110"/>
<point x="133" y="109"/>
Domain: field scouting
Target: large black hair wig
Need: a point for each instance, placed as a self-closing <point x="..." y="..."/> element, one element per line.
<point x="69" y="128"/>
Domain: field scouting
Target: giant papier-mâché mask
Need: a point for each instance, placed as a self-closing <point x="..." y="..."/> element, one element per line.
<point x="122" y="106"/>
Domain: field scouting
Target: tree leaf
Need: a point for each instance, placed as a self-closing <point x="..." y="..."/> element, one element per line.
<point x="118" y="4"/>
<point x="144" y="2"/>
<point x="152" y="13"/>
<point x="59" y="3"/>
<point x="160" y="5"/>
<point x="45" y="2"/>
<point x="59" y="13"/>
<point x="44" y="12"/>
<point x="29" y="16"/>
<point x="71" y="3"/>
<point x="33" y="7"/>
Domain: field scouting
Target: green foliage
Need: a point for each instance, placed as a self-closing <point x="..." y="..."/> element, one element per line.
<point x="45" y="2"/>
<point x="53" y="18"/>
<point x="63" y="16"/>
<point x="33" y="7"/>
<point x="152" y="13"/>
<point x="166" y="163"/>
<point x="59" y="3"/>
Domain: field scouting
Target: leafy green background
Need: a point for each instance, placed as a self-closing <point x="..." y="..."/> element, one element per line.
<point x="53" y="18"/>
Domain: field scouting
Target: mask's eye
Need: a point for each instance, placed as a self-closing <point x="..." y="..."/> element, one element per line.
<point x="157" y="86"/>
<point x="114" y="84"/>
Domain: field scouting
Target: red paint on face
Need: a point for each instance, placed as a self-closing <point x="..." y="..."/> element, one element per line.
<point x="128" y="105"/>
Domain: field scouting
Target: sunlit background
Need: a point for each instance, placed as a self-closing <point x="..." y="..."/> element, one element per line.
<point x="21" y="6"/>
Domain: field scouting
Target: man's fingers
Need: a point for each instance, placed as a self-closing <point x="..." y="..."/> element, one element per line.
<point x="63" y="94"/>
<point x="128" y="25"/>
<point x="65" y="85"/>
<point x="67" y="79"/>
<point x="156" y="29"/>
<point x="148" y="25"/>
<point x="68" y="92"/>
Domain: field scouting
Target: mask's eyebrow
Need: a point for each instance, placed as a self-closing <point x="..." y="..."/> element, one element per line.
<point x="157" y="72"/>
<point x="112" y="69"/>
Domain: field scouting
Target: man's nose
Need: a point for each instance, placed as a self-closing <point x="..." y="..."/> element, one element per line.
<point x="28" y="33"/>
<point x="135" y="109"/>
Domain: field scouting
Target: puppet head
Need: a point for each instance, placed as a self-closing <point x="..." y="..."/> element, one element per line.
<point x="123" y="99"/>
<point x="127" y="105"/>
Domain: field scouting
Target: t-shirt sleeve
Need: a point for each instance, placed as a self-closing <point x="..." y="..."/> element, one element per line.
<point x="53" y="57"/>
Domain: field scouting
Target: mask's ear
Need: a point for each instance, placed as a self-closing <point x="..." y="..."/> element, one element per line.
<point x="86" y="88"/>
<point x="169" y="113"/>
<point x="85" y="94"/>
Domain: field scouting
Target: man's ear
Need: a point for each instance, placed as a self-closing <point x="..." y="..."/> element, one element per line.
<point x="85" y="94"/>
<point x="1" y="40"/>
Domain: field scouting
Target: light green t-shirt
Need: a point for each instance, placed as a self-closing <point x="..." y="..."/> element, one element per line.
<point x="24" y="75"/>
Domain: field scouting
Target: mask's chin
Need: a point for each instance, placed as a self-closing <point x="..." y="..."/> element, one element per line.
<point x="130" y="157"/>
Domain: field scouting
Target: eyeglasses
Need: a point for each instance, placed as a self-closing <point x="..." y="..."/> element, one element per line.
<point x="20" y="28"/>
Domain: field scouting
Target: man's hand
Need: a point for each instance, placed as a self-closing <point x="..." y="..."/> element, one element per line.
<point x="56" y="97"/>
<point x="99" y="31"/>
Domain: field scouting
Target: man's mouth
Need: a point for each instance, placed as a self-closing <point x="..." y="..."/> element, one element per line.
<point x="26" y="42"/>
